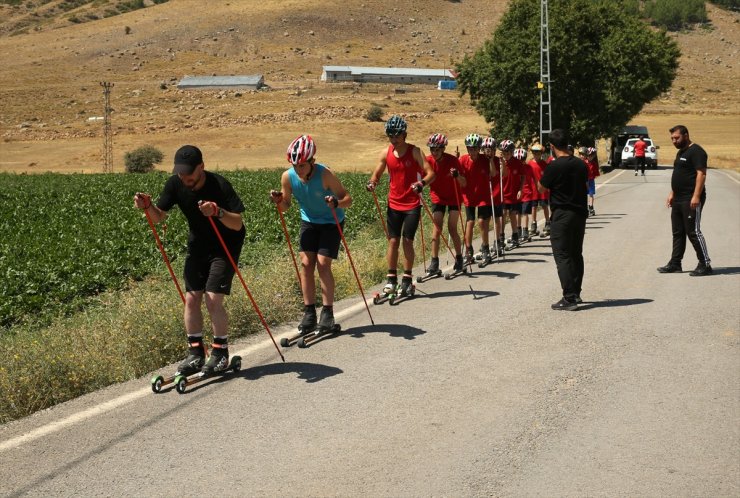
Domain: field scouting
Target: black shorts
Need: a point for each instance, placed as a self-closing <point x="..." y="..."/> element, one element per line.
<point x="403" y="223"/>
<point x="440" y="208"/>
<point x="527" y="207"/>
<point x="210" y="273"/>
<point x="484" y="212"/>
<point x="543" y="202"/>
<point x="320" y="238"/>
<point x="516" y="207"/>
<point x="498" y="211"/>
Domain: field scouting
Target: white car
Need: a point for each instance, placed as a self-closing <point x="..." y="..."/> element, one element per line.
<point x="651" y="153"/>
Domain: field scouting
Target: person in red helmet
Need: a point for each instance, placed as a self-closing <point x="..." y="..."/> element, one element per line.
<point x="444" y="198"/>
<point x="476" y="169"/>
<point x="317" y="190"/>
<point x="538" y="165"/>
<point x="512" y="170"/>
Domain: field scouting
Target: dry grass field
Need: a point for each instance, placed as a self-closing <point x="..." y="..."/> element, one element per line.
<point x="49" y="86"/>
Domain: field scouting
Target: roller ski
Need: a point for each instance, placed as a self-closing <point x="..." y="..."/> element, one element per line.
<point x="512" y="243"/>
<point x="433" y="271"/>
<point x="326" y="326"/>
<point x="388" y="290"/>
<point x="407" y="289"/>
<point x="458" y="269"/>
<point x="308" y="325"/>
<point x="191" y="365"/>
<point x="216" y="366"/>
<point x="487" y="257"/>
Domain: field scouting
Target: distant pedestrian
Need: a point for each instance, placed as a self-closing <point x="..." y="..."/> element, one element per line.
<point x="686" y="200"/>
<point x="566" y="179"/>
<point x="592" y="162"/>
<point x="640" y="159"/>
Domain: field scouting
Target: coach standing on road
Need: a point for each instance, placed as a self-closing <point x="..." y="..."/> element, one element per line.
<point x="686" y="201"/>
<point x="566" y="178"/>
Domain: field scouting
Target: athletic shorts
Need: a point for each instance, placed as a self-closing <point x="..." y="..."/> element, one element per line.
<point x="543" y="202"/>
<point x="516" y="207"/>
<point x="210" y="273"/>
<point x="403" y="223"/>
<point x="592" y="187"/>
<point x="498" y="211"/>
<point x="528" y="207"/>
<point x="320" y="238"/>
<point x="440" y="208"/>
<point x="484" y="212"/>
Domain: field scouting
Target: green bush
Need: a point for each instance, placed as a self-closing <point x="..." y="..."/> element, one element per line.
<point x="374" y="114"/>
<point x="143" y="159"/>
<point x="676" y="14"/>
<point x="727" y="4"/>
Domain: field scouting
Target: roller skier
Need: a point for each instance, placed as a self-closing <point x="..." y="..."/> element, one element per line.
<point x="476" y="168"/>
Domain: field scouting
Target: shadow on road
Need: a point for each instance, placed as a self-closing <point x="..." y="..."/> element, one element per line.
<point x="728" y="270"/>
<point x="612" y="303"/>
<point x="477" y="294"/>
<point x="393" y="329"/>
<point x="310" y="372"/>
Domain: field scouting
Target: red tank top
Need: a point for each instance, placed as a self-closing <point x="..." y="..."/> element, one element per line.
<point x="404" y="172"/>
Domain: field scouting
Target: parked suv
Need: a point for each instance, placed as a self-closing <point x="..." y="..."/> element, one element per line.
<point x="619" y="141"/>
<point x="651" y="153"/>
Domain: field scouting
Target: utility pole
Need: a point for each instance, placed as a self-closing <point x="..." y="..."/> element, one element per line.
<point x="107" y="133"/>
<point x="544" y="83"/>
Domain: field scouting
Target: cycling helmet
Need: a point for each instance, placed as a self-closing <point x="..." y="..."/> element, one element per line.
<point x="301" y="150"/>
<point x="473" y="140"/>
<point x="488" y="143"/>
<point x="396" y="125"/>
<point x="437" y="140"/>
<point x="591" y="151"/>
<point x="520" y="154"/>
<point x="582" y="150"/>
<point x="536" y="148"/>
<point x="506" y="145"/>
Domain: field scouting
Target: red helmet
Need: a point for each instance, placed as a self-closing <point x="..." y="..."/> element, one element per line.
<point x="437" y="140"/>
<point x="301" y="150"/>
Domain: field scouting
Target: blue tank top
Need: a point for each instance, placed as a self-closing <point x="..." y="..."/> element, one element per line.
<point x="310" y="196"/>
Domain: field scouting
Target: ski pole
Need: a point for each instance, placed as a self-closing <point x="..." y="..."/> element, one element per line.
<point x="380" y="214"/>
<point x="429" y="212"/>
<point x="244" y="284"/>
<point x="349" y="256"/>
<point x="290" y="246"/>
<point x="493" y="216"/>
<point x="501" y="191"/>
<point x="164" y="254"/>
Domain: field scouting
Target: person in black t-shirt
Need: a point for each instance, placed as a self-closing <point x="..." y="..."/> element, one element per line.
<point x="686" y="200"/>
<point x="566" y="178"/>
<point x="201" y="194"/>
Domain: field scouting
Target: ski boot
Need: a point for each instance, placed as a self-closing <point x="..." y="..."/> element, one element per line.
<point x="514" y="242"/>
<point x="308" y="323"/>
<point x="501" y="247"/>
<point x="591" y="211"/>
<point x="469" y="256"/>
<point x="219" y="359"/>
<point x="406" y="286"/>
<point x="533" y="230"/>
<point x="326" y="322"/>
<point x="525" y="235"/>
<point x="546" y="230"/>
<point x="390" y="285"/>
<point x="432" y="271"/>
<point x="196" y="357"/>
<point x="458" y="266"/>
<point x="486" y="257"/>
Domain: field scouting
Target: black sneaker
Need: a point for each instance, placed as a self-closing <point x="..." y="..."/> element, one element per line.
<point x="669" y="268"/>
<point x="308" y="322"/>
<point x="217" y="362"/>
<point x="326" y="321"/>
<point x="579" y="300"/>
<point x="195" y="360"/>
<point x="564" y="305"/>
<point x="701" y="270"/>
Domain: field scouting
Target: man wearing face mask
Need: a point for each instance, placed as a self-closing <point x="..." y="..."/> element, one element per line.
<point x="208" y="273"/>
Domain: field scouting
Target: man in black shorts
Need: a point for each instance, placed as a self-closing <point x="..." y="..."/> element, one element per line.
<point x="686" y="200"/>
<point x="566" y="178"/>
<point x="201" y="194"/>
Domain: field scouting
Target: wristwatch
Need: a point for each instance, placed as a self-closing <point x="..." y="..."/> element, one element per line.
<point x="220" y="213"/>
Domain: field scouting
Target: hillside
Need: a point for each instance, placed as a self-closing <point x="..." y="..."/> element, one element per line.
<point x="49" y="85"/>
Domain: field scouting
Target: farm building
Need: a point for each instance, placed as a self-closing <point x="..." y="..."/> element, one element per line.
<point x="385" y="74"/>
<point x="252" y="82"/>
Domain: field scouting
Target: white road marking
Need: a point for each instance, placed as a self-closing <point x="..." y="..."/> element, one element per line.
<point x="728" y="175"/>
<point x="102" y="408"/>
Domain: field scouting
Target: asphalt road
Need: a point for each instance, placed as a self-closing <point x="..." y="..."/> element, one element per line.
<point x="473" y="388"/>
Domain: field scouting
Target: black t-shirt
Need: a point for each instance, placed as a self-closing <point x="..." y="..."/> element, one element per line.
<point x="683" y="180"/>
<point x="566" y="178"/>
<point x="202" y="240"/>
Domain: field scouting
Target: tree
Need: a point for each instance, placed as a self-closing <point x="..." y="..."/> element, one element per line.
<point x="605" y="66"/>
<point x="143" y="159"/>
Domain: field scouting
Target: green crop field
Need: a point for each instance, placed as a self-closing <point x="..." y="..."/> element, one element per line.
<point x="70" y="237"/>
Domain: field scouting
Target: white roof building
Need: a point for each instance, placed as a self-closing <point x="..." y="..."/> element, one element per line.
<point x="385" y="74"/>
<point x="249" y="82"/>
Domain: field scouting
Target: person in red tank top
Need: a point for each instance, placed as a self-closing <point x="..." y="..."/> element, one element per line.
<point x="409" y="173"/>
<point x="476" y="169"/>
<point x="640" y="159"/>
<point x="445" y="193"/>
<point x="513" y="179"/>
<point x="538" y="166"/>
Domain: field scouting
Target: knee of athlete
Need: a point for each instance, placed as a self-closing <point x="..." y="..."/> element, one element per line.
<point x="214" y="302"/>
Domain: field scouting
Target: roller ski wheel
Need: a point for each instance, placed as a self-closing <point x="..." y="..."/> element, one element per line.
<point x="428" y="276"/>
<point x="287" y="342"/>
<point x="182" y="382"/>
<point x="157" y="383"/>
<point x="305" y="340"/>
